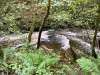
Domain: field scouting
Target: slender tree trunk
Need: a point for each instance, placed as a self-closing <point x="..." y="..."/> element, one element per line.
<point x="1" y="53"/>
<point x="95" y="33"/>
<point x="31" y="30"/>
<point x="34" y="22"/>
<point x="72" y="51"/>
<point x="43" y="23"/>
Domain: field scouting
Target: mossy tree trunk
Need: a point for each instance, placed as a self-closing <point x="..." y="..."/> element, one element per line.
<point x="34" y="21"/>
<point x="43" y="23"/>
<point x="1" y="53"/>
<point x="95" y="33"/>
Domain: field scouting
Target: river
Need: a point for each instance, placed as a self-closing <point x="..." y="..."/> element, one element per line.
<point x="58" y="42"/>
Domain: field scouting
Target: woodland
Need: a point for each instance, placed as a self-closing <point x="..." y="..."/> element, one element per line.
<point x="49" y="37"/>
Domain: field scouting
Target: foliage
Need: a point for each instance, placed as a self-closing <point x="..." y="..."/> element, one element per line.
<point x="86" y="13"/>
<point x="89" y="66"/>
<point x="19" y="14"/>
<point x="71" y="71"/>
<point x="37" y="62"/>
<point x="2" y="4"/>
<point x="27" y="63"/>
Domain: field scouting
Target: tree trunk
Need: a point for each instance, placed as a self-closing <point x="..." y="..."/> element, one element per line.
<point x="1" y="53"/>
<point x="95" y="33"/>
<point x="34" y="22"/>
<point x="43" y="23"/>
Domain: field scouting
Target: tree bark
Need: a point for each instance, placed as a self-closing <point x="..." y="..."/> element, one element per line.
<point x="43" y="23"/>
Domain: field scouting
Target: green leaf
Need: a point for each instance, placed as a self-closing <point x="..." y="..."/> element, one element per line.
<point x="71" y="71"/>
<point x="87" y="65"/>
<point x="48" y="62"/>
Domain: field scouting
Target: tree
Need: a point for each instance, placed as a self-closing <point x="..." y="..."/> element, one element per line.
<point x="95" y="33"/>
<point x="43" y="23"/>
<point x="34" y="22"/>
<point x="1" y="53"/>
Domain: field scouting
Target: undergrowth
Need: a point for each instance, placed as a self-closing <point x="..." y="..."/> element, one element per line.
<point x="90" y="66"/>
<point x="30" y="63"/>
<point x="36" y="62"/>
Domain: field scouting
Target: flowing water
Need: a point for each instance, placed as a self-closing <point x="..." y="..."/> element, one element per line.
<point x="60" y="42"/>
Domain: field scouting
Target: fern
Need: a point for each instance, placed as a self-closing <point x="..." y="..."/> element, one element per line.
<point x="71" y="71"/>
<point x="38" y="62"/>
<point x="48" y="62"/>
<point x="96" y="61"/>
<point x="88" y="66"/>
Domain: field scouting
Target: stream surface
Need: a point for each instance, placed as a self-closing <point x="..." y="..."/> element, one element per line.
<point x="59" y="42"/>
<point x="64" y="39"/>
